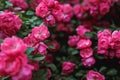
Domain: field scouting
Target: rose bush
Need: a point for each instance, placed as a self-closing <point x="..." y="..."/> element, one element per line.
<point x="59" y="39"/>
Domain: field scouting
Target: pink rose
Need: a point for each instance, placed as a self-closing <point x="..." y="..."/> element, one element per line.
<point x="68" y="12"/>
<point x="12" y="65"/>
<point x="30" y="40"/>
<point x="94" y="2"/>
<point x="41" y="48"/>
<point x="93" y="75"/>
<point x="115" y="43"/>
<point x="40" y="33"/>
<point x="77" y="9"/>
<point x="49" y="3"/>
<point x="88" y="62"/>
<point x="57" y="12"/>
<point x="81" y="30"/>
<point x="24" y="74"/>
<point x="103" y="43"/>
<point x="19" y="3"/>
<point x="9" y="23"/>
<point x="50" y="20"/>
<point x="84" y="43"/>
<point x="13" y="46"/>
<point x="73" y="40"/>
<point x="85" y="53"/>
<point x="104" y="8"/>
<point x="42" y="10"/>
<point x="68" y="67"/>
<point x="106" y="33"/>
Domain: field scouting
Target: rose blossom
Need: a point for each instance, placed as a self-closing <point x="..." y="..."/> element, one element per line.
<point x="115" y="43"/>
<point x="77" y="11"/>
<point x="103" y="43"/>
<point x="49" y="3"/>
<point x="73" y="40"/>
<point x="81" y="30"/>
<point x="84" y="43"/>
<point x="24" y="74"/>
<point x="9" y="23"/>
<point x="104" y="8"/>
<point x="93" y="75"/>
<point x="57" y="12"/>
<point x="42" y="10"/>
<point x="88" y="62"/>
<point x="30" y="40"/>
<point x="19" y="3"/>
<point x="40" y="33"/>
<point x="50" y="20"/>
<point x="11" y="65"/>
<point x="41" y="48"/>
<point x="13" y="46"/>
<point x="85" y="53"/>
<point x="68" y="12"/>
<point x="68" y="67"/>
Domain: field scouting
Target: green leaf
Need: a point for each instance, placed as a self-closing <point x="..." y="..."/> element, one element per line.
<point x="99" y="57"/>
<point x="102" y="69"/>
<point x="90" y="34"/>
<point x="1" y="41"/>
<point x="98" y="28"/>
<point x="112" y="72"/>
<point x="38" y="57"/>
<point x="73" y="51"/>
<point x="29" y="13"/>
<point x="8" y="4"/>
<point x="51" y="46"/>
<point x="29" y="50"/>
<point x="52" y="66"/>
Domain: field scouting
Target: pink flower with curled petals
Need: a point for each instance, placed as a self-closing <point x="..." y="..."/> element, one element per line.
<point x="88" y="62"/>
<point x="93" y="75"/>
<point x="42" y="10"/>
<point x="68" y="67"/>
<point x="81" y="30"/>
<point x="24" y="74"/>
<point x="84" y="43"/>
<point x="87" y="52"/>
<point x="73" y="40"/>
<point x="13" y="46"/>
<point x="40" y="33"/>
<point x="9" y="23"/>
<point x="19" y="3"/>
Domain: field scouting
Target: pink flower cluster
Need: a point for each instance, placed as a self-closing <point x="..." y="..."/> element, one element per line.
<point x="64" y="27"/>
<point x="36" y="40"/>
<point x="109" y="43"/>
<point x="9" y="23"/>
<point x="96" y="8"/>
<point x="38" y="34"/>
<point x="13" y="60"/>
<point x="19" y="3"/>
<point x="83" y="43"/>
<point x="93" y="75"/>
<point x="52" y="12"/>
<point x="67" y="68"/>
